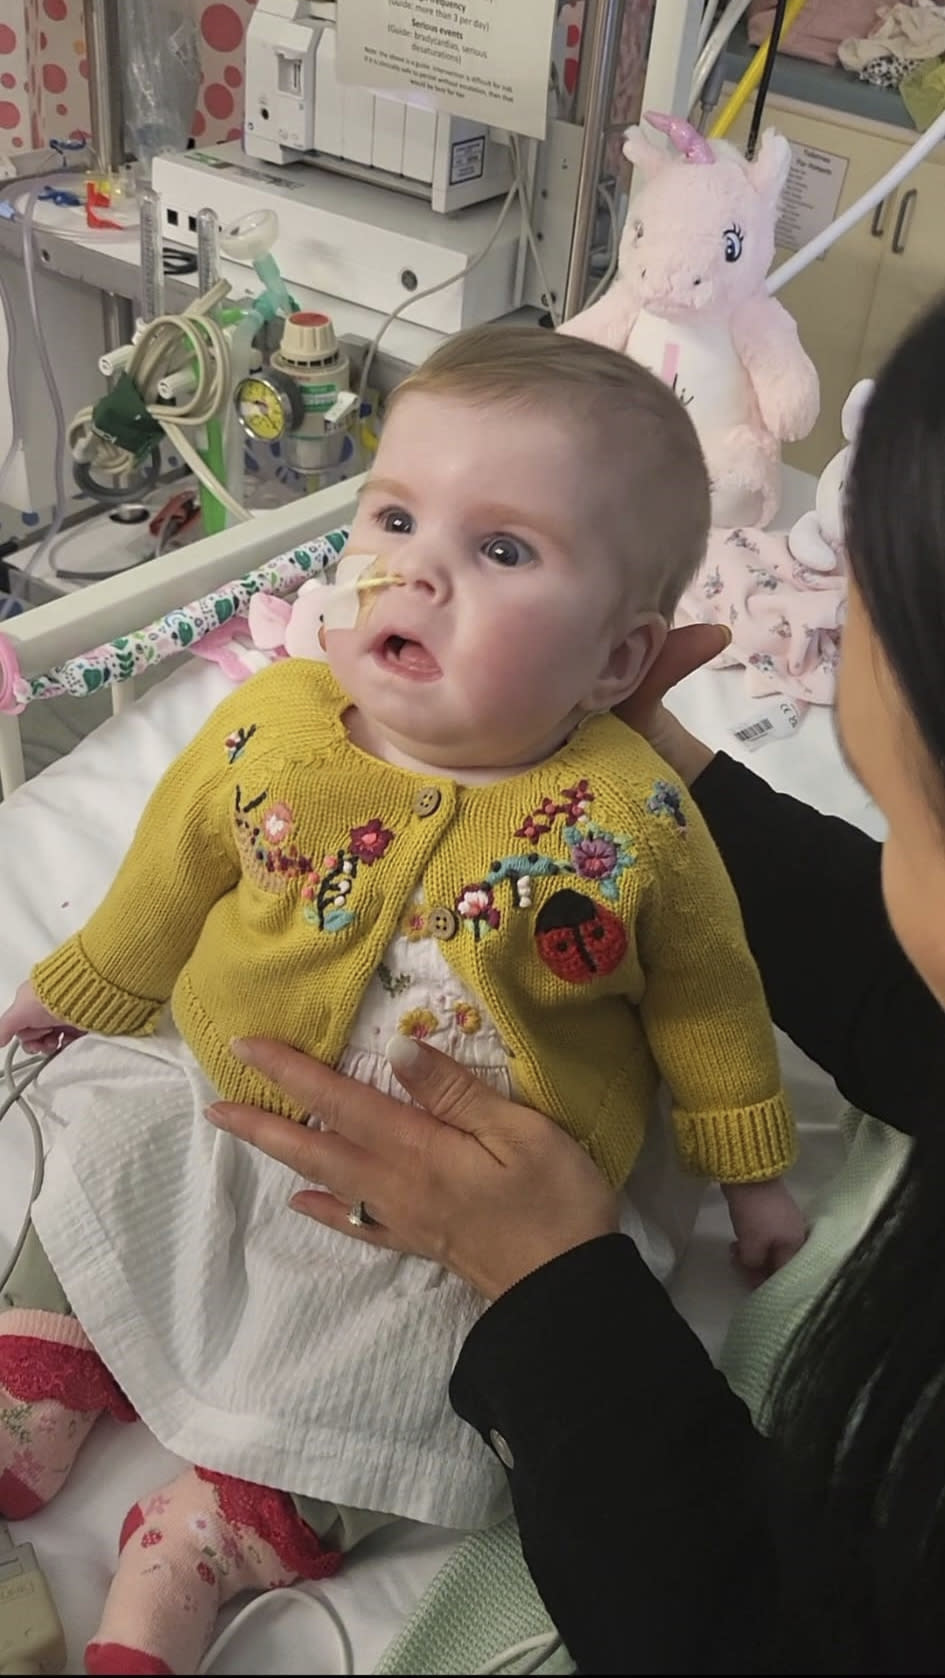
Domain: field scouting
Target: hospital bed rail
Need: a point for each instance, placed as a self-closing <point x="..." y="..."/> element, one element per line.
<point x="65" y="628"/>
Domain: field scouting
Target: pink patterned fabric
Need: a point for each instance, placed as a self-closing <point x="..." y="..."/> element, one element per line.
<point x="187" y="1550"/>
<point x="53" y="1388"/>
<point x="785" y="619"/>
<point x="9" y="676"/>
<point x="43" y="1356"/>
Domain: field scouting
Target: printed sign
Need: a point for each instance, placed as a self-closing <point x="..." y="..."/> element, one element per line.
<point x="488" y="60"/>
<point x="811" y="195"/>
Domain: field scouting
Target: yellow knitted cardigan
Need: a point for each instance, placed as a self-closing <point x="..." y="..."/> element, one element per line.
<point x="583" y="902"/>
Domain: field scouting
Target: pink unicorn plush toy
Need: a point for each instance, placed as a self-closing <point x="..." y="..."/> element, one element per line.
<point x="689" y="302"/>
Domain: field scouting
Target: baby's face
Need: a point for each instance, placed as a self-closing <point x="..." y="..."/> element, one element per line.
<point x="510" y="607"/>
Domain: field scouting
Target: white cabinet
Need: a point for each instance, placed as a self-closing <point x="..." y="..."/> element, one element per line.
<point x="853" y="305"/>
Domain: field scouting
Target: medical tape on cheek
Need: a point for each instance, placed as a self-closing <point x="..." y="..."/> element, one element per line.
<point x="358" y="581"/>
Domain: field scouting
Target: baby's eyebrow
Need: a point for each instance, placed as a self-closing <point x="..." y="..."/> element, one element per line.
<point x="386" y="486"/>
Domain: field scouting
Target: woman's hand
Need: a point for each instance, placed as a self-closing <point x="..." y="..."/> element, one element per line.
<point x="487" y="1188"/>
<point x="685" y="650"/>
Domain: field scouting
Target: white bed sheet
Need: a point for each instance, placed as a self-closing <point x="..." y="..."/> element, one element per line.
<point x="61" y="837"/>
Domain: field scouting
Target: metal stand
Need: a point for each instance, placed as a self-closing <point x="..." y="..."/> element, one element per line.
<point x="103" y="50"/>
<point x="603" y="19"/>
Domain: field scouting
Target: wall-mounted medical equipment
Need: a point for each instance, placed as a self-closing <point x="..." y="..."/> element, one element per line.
<point x="352" y="239"/>
<point x="298" y="111"/>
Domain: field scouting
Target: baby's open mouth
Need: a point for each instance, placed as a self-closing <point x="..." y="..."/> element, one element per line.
<point x="409" y="658"/>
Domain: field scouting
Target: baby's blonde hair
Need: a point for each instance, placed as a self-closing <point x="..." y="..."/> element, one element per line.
<point x="626" y="420"/>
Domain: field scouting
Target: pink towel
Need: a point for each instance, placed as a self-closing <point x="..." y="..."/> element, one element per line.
<point x="819" y="29"/>
<point x="785" y="619"/>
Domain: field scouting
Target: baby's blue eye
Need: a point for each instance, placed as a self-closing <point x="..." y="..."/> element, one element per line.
<point x="396" y="522"/>
<point x="504" y="550"/>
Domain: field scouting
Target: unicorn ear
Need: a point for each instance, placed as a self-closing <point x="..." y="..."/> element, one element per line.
<point x="851" y="415"/>
<point x="769" y="171"/>
<point x="639" y="151"/>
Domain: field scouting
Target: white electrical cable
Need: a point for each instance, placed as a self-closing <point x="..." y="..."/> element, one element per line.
<point x="31" y="1068"/>
<point x="314" y="1599"/>
<point x="614" y="253"/>
<point x="416" y="296"/>
<point x="516" y="190"/>
<point x="815" y="247"/>
<point x="709" y="13"/>
<point x="542" y="1647"/>
<point x="714" y="47"/>
<point x="9" y="320"/>
<point x="45" y="546"/>
<point x="530" y="231"/>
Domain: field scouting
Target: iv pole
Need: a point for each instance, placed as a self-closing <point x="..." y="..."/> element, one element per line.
<point x="103" y="50"/>
<point x="603" y="19"/>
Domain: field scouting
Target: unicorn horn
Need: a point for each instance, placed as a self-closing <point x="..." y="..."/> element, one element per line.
<point x="694" y="146"/>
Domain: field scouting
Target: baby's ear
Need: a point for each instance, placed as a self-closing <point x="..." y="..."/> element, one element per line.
<point x="629" y="662"/>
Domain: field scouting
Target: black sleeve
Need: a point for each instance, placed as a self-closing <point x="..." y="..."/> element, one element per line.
<point x="837" y="981"/>
<point x="651" y="1518"/>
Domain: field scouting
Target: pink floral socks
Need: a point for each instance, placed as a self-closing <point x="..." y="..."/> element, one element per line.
<point x="53" y="1388"/>
<point x="184" y="1553"/>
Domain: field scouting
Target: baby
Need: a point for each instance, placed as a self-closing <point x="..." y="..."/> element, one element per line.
<point x="439" y="831"/>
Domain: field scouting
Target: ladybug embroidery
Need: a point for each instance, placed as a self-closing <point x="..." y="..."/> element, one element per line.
<point x="578" y="940"/>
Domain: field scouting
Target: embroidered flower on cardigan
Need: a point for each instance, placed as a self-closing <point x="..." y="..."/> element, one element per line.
<point x="573" y="803"/>
<point x="599" y="856"/>
<point x="666" y="800"/>
<point x="261" y="839"/>
<point x="370" y="841"/>
<point x="476" y="907"/>
<point x="467" y="1018"/>
<point x="276" y="824"/>
<point x="326" y="891"/>
<point x="594" y="858"/>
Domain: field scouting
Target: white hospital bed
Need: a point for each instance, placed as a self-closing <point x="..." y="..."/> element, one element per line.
<point x="61" y="837"/>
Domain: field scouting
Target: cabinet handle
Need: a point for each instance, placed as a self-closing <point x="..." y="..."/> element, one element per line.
<point x="904" y="221"/>
<point x="878" y="223"/>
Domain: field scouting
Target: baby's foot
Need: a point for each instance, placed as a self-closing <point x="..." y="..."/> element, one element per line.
<point x="53" y="1388"/>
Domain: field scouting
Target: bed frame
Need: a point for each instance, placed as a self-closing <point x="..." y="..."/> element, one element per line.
<point x="48" y="635"/>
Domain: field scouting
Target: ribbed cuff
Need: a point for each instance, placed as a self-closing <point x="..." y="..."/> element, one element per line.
<point x="739" y="1145"/>
<point x="68" y="985"/>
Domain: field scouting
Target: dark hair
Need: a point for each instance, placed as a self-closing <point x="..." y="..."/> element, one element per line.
<point x="859" y="1404"/>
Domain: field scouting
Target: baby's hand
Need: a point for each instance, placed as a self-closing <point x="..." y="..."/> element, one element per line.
<point x="38" y="1029"/>
<point x="769" y="1226"/>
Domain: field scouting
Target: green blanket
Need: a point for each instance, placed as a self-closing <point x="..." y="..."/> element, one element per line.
<point x="482" y="1601"/>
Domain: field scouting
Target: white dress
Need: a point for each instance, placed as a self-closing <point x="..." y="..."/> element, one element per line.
<point x="250" y="1339"/>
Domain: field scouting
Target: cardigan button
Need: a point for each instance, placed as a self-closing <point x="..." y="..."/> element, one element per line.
<point x="443" y="924"/>
<point x="501" y="1448"/>
<point x="427" y="801"/>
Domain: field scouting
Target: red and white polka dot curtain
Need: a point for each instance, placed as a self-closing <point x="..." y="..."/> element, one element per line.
<point x="44" y="71"/>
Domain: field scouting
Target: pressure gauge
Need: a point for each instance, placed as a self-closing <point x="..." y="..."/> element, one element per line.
<point x="269" y="405"/>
